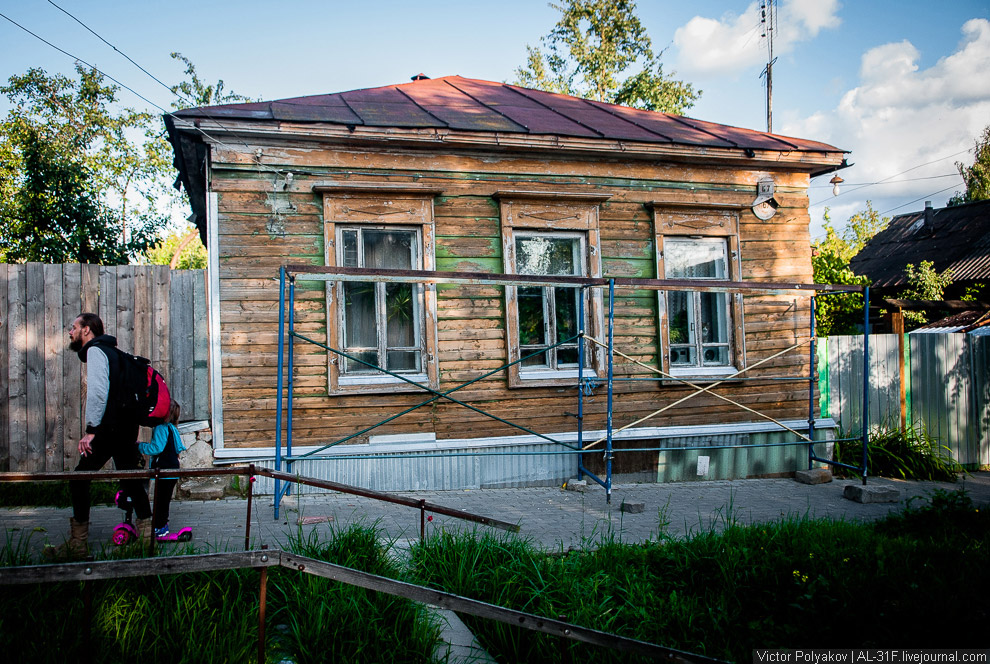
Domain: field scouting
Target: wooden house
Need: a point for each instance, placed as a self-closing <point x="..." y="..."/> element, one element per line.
<point x="470" y="176"/>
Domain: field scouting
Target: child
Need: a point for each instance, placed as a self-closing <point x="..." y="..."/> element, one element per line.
<point x="164" y="451"/>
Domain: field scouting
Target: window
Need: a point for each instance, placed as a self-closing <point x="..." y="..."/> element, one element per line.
<point x="384" y="328"/>
<point x="701" y="331"/>
<point x="698" y="327"/>
<point x="549" y="315"/>
<point x="551" y="234"/>
<point x="381" y="322"/>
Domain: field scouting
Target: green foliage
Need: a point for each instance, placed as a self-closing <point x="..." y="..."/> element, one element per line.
<point x="842" y="313"/>
<point x="52" y="494"/>
<point x="184" y="247"/>
<point x="722" y="594"/>
<point x="600" y="50"/>
<point x="76" y="186"/>
<point x="326" y="621"/>
<point x="194" y="92"/>
<point x="908" y="455"/>
<point x="924" y="283"/>
<point x="213" y="617"/>
<point x="977" y="176"/>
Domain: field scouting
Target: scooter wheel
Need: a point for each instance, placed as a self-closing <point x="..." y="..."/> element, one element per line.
<point x="121" y="536"/>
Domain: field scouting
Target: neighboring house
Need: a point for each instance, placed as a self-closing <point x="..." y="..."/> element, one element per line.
<point x="455" y="174"/>
<point x="954" y="238"/>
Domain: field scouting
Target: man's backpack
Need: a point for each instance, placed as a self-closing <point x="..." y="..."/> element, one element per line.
<point x="143" y="392"/>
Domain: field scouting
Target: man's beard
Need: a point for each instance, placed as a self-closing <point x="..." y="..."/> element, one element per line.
<point x="75" y="345"/>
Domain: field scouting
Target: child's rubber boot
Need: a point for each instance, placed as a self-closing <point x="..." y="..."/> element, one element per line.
<point x="75" y="548"/>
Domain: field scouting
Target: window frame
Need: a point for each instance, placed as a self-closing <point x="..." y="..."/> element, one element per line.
<point x="691" y="221"/>
<point x="385" y="208"/>
<point x="565" y="214"/>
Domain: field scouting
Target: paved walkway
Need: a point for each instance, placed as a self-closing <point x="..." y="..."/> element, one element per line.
<point x="549" y="516"/>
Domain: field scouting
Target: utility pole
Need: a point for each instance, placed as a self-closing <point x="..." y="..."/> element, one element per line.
<point x="768" y="24"/>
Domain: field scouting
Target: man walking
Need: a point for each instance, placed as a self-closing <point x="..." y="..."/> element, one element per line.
<point x="110" y="432"/>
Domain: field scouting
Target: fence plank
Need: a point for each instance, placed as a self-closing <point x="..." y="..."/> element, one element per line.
<point x="54" y="343"/>
<point x="107" y="298"/>
<point x="181" y="333"/>
<point x="35" y="365"/>
<point x="72" y="280"/>
<point x="124" y="331"/>
<point x="142" y="342"/>
<point x="161" y="343"/>
<point x="4" y="371"/>
<point x="201" y="345"/>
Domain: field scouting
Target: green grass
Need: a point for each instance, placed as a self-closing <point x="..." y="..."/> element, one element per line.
<point x="918" y="579"/>
<point x="52" y="494"/>
<point x="212" y="617"/>
<point x="794" y="583"/>
<point x="911" y="455"/>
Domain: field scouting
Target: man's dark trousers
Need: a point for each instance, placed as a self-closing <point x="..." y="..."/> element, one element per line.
<point x="118" y="442"/>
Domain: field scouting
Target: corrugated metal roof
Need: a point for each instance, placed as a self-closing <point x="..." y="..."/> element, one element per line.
<point x="959" y="241"/>
<point x="458" y="103"/>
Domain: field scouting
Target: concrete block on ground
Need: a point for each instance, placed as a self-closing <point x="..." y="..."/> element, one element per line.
<point x="576" y="485"/>
<point x="632" y="508"/>
<point x="813" y="476"/>
<point x="871" y="494"/>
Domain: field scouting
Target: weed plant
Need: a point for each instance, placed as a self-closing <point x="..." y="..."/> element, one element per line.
<point x="911" y="455"/>
<point x="320" y="620"/>
<point x="794" y="583"/>
<point x="213" y="617"/>
<point x="52" y="494"/>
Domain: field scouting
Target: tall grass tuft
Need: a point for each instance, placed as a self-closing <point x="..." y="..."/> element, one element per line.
<point x="912" y="454"/>
<point x="722" y="592"/>
<point x="320" y="620"/>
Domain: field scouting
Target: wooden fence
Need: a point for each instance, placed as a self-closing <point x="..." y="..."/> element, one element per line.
<point x="153" y="312"/>
<point x="947" y="387"/>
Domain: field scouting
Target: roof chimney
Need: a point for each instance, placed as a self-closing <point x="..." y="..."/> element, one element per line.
<point x="420" y="77"/>
<point x="929" y="218"/>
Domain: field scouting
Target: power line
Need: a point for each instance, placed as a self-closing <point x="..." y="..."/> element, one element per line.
<point x="896" y="175"/>
<point x="918" y="199"/>
<point x="126" y="87"/>
<point x="860" y="185"/>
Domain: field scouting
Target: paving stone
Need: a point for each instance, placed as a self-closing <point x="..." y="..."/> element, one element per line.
<point x="632" y="508"/>
<point x="871" y="493"/>
<point x="814" y="476"/>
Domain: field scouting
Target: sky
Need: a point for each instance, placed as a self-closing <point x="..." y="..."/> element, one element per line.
<point x="903" y="85"/>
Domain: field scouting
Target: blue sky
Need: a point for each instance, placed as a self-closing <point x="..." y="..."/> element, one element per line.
<point x="904" y="85"/>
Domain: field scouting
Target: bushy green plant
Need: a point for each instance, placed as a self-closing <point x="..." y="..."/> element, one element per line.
<point x="724" y="592"/>
<point x="52" y="494"/>
<point x="911" y="454"/>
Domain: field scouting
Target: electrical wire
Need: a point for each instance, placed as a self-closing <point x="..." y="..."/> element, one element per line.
<point x="274" y="171"/>
<point x="860" y="185"/>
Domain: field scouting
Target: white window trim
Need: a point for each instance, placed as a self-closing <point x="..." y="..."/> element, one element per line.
<point x="380" y="206"/>
<point x="678" y="220"/>
<point x="550" y="212"/>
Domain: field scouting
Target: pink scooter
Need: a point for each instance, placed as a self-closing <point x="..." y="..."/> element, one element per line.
<point x="125" y="531"/>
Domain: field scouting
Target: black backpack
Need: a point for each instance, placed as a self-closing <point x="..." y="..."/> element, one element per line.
<point x="143" y="392"/>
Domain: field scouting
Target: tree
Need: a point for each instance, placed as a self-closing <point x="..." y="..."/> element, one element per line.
<point x="977" y="176"/>
<point x="842" y="313"/>
<point x="599" y="50"/>
<point x="54" y="215"/>
<point x="180" y="250"/>
<point x="924" y="283"/>
<point x="73" y="130"/>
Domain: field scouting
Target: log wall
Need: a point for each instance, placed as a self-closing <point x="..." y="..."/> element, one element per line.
<point x="264" y="224"/>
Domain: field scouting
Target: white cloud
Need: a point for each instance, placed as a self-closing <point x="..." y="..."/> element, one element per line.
<point x="902" y="117"/>
<point x="734" y="42"/>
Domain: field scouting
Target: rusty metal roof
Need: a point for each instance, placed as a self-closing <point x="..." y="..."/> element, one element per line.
<point x="465" y="104"/>
<point x="958" y="240"/>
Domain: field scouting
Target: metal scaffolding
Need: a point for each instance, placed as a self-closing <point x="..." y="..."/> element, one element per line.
<point x="287" y="335"/>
